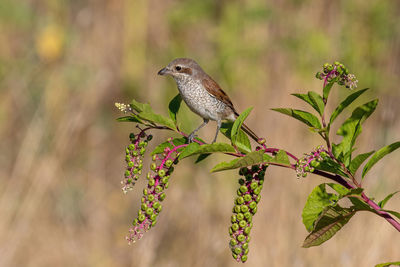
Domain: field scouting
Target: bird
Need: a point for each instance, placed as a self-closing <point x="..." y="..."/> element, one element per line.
<point x="202" y="95"/>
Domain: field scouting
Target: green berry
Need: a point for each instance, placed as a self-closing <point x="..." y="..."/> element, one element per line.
<point x="141" y="144"/>
<point x="240" y="200"/>
<point x="252" y="205"/>
<point x="135" y="221"/>
<point x="257" y="191"/>
<point x="244" y="208"/>
<point x="241" y="238"/>
<point x="164" y="180"/>
<point x="246" y="251"/>
<point x="142" y="151"/>
<point x="141" y="217"/>
<point x="243" y="188"/>
<point x="242" y="223"/>
<point x="247" y="230"/>
<point x="233" y="218"/>
<point x="131" y="147"/>
<point x="142" y="200"/>
<point x="235" y="227"/>
<point x="149" y="211"/>
<point x="168" y="163"/>
<point x="135" y="153"/>
<point x="161" y="173"/>
<point x="152" y="182"/>
<point x="153" y="166"/>
<point x="135" y="170"/>
<point x="239" y="216"/>
<point x="230" y="231"/>
<point x="237" y="250"/>
<point x="254" y="210"/>
<point x="166" y="185"/>
<point x="153" y="223"/>
<point x="151" y="198"/>
<point x="159" y="209"/>
<point x="245" y="246"/>
<point x="233" y="242"/>
<point x="236" y="209"/>
<point x="162" y="196"/>
<point x="247" y="197"/>
<point x="153" y="217"/>
<point x="127" y="173"/>
<point x="143" y="206"/>
<point x="247" y="215"/>
<point x="253" y="185"/>
<point x="156" y="205"/>
<point x="145" y="192"/>
<point x="158" y="189"/>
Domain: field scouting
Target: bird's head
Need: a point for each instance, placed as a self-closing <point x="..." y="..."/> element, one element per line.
<point x="181" y="68"/>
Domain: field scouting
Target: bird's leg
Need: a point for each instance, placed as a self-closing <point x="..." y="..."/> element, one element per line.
<point x="192" y="134"/>
<point x="218" y="127"/>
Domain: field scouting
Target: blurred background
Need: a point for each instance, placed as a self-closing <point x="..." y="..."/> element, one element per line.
<point x="63" y="64"/>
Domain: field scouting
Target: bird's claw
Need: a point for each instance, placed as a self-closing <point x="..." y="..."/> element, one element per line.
<point x="191" y="137"/>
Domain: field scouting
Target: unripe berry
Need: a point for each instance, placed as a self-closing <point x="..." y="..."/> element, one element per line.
<point x="153" y="166"/>
<point x="161" y="173"/>
<point x="240" y="216"/>
<point x="168" y="163"/>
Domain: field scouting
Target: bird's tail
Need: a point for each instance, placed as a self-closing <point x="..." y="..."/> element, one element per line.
<point x="247" y="130"/>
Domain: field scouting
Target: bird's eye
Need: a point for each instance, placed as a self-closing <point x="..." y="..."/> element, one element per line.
<point x="178" y="68"/>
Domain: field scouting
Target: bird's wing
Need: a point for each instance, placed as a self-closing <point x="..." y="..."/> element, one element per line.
<point x="215" y="90"/>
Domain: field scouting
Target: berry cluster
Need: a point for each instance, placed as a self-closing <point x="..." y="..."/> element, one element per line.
<point x="133" y="158"/>
<point x="310" y="161"/>
<point x="339" y="72"/>
<point x="244" y="209"/>
<point x="158" y="180"/>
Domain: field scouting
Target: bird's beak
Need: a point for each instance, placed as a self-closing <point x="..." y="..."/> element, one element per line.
<point x="164" y="71"/>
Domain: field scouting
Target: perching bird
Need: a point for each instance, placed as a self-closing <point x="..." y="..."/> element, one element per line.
<point x="202" y="95"/>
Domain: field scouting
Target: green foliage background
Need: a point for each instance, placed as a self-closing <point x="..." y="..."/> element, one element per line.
<point x="64" y="63"/>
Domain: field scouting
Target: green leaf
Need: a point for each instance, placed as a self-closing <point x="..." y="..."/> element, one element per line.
<point x="388" y="264"/>
<point x="379" y="155"/>
<point x="329" y="165"/>
<point x="318" y="103"/>
<point x="202" y="157"/>
<point x="281" y="158"/>
<point x="395" y="213"/>
<point x="300" y="115"/>
<point x="242" y="141"/>
<point x="386" y="199"/>
<point x="250" y="159"/>
<point x="316" y="203"/>
<point x="357" y="161"/>
<point x="359" y="205"/>
<point x="157" y="118"/>
<point x="313" y="103"/>
<point x="238" y="123"/>
<point x="195" y="149"/>
<point x="174" y="106"/>
<point x="345" y="103"/>
<point x="131" y="118"/>
<point x="140" y="107"/>
<point x="328" y="88"/>
<point x="343" y="191"/>
<point x="351" y="128"/>
<point x="328" y="224"/>
<point x="160" y="148"/>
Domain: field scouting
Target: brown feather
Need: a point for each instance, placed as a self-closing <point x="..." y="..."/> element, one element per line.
<point x="215" y="90"/>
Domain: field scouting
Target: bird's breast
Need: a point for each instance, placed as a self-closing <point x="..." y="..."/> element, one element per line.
<point x="200" y="101"/>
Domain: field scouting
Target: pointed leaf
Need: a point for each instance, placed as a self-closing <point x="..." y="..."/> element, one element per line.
<point x="328" y="224"/>
<point x="306" y="98"/>
<point x="281" y="158"/>
<point x="388" y="264"/>
<point x="328" y="87"/>
<point x="157" y="118"/>
<point x="386" y="199"/>
<point x="379" y="155"/>
<point x="317" y="101"/>
<point x="242" y="141"/>
<point x="174" y="106"/>
<point x="357" y="161"/>
<point x="395" y="213"/>
<point x="350" y="99"/>
<point x="250" y="159"/>
<point x="202" y="157"/>
<point x="300" y="115"/>
<point x="351" y="128"/>
<point x="140" y="107"/>
<point x="195" y="149"/>
<point x="131" y="118"/>
<point x="316" y="203"/>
